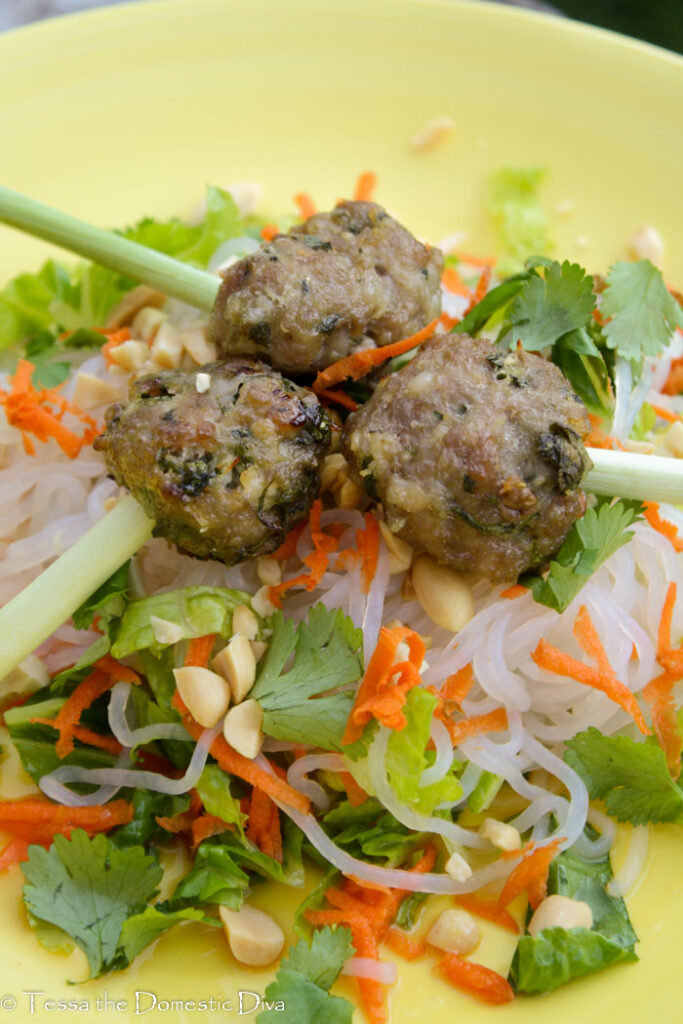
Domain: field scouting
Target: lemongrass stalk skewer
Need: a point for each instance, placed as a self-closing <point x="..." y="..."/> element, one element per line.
<point x="48" y="601"/>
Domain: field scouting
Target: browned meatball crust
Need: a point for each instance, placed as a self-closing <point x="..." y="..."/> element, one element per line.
<point x="476" y="454"/>
<point x="226" y="472"/>
<point x="339" y="281"/>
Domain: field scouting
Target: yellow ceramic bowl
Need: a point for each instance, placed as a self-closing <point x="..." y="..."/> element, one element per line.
<point x="130" y="110"/>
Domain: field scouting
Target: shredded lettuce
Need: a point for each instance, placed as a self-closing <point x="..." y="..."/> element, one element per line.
<point x="407" y="757"/>
<point x="197" y="610"/>
<point x="514" y="204"/>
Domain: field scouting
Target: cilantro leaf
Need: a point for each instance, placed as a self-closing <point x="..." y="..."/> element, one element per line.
<point x="590" y="542"/>
<point x="327" y="656"/>
<point x="300" y="988"/>
<point x="643" y="313"/>
<point x="549" y="307"/>
<point x="631" y="777"/>
<point x="88" y="888"/>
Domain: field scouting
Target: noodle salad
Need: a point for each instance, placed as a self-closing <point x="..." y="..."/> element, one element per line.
<point x="344" y="715"/>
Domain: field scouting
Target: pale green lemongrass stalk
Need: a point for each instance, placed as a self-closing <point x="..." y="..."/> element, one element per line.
<point x="51" y="598"/>
<point x="109" y="249"/>
<point x="630" y="475"/>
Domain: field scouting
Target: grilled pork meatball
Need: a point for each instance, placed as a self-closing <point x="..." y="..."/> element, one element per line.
<point x="339" y="281"/>
<point x="476" y="454"/>
<point x="226" y="472"/>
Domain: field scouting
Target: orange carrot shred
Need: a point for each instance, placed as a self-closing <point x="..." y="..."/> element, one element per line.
<point x="236" y="764"/>
<point x="323" y="545"/>
<point x="604" y="678"/>
<point x="37" y="413"/>
<point x="199" y="650"/>
<point x="269" y="231"/>
<point x="367" y="542"/>
<point x="489" y="910"/>
<point x="288" y="547"/>
<point x="96" y="739"/>
<point x="530" y="875"/>
<point x="493" y="721"/>
<point x="355" y="794"/>
<point x="13" y="853"/>
<point x="481" y="288"/>
<point x="305" y="205"/>
<point x="339" y="398"/>
<point x="366" y="184"/>
<point x="474" y="261"/>
<point x="667" y="529"/>
<point x="359" y="364"/>
<point x="87" y="691"/>
<point x="482" y="982"/>
<point x="452" y="282"/>
<point x="458" y="685"/>
<point x="405" y="945"/>
<point x="207" y="825"/>
<point x="674" y="382"/>
<point x="382" y="692"/>
<point x="114" y="339"/>
<point x="516" y="590"/>
<point x="664" y="414"/>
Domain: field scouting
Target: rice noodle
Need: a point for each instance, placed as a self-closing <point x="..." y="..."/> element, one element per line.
<point x="119" y="778"/>
<point x="299" y="769"/>
<point x="634" y="862"/>
<point x="118" y="723"/>
<point x="383" y="971"/>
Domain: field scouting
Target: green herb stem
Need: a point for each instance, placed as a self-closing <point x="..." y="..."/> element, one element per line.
<point x="109" y="249"/>
<point x="35" y="613"/>
<point x="630" y="475"/>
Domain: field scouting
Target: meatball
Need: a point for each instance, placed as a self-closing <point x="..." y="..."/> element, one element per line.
<point x="224" y="472"/>
<point x="476" y="454"/>
<point x="340" y="281"/>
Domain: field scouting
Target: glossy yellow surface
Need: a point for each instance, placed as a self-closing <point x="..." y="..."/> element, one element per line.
<point x="130" y="110"/>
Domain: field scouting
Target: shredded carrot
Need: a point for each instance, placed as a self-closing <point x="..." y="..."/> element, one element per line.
<point x="114" y="339"/>
<point x="516" y="590"/>
<point x="664" y="414"/>
<point x="339" y="398"/>
<point x="323" y="546"/>
<point x="598" y="438"/>
<point x="482" y="982"/>
<point x="449" y="322"/>
<point x="458" y="685"/>
<point x="367" y="542"/>
<point x="207" y="825"/>
<point x="288" y="547"/>
<point x="474" y="261"/>
<point x="305" y="205"/>
<point x="452" y="282"/>
<point x="403" y="944"/>
<point x="269" y="231"/>
<point x="366" y="183"/>
<point x="96" y="739"/>
<point x="603" y="678"/>
<point x="236" y="764"/>
<point x="359" y="364"/>
<point x="37" y="413"/>
<point x="263" y="824"/>
<point x="355" y="794"/>
<point x="658" y="692"/>
<point x="372" y="992"/>
<point x="481" y="288"/>
<point x="37" y="820"/>
<point x="494" y="721"/>
<point x="382" y="693"/>
<point x="662" y="526"/>
<point x="87" y="691"/>
<point x="674" y="382"/>
<point x="13" y="853"/>
<point x="634" y="653"/>
<point x="530" y="875"/>
<point x="489" y="910"/>
<point x="199" y="650"/>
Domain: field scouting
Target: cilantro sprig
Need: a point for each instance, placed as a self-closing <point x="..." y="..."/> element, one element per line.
<point x="590" y="542"/>
<point x="308" y="704"/>
<point x="632" y="778"/>
<point x="300" y="992"/>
